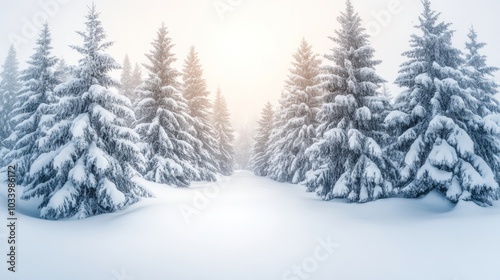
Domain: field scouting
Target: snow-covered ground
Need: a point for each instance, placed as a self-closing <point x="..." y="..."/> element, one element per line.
<point x="247" y="227"/>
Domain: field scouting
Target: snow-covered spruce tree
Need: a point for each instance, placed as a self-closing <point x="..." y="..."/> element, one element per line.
<point x="136" y="79"/>
<point x="243" y="144"/>
<point x="163" y="120"/>
<point x="348" y="158"/>
<point x="437" y="122"/>
<point x="481" y="85"/>
<point x="127" y="88"/>
<point x="62" y="71"/>
<point x="88" y="155"/>
<point x="9" y="86"/>
<point x="224" y="135"/>
<point x="386" y="92"/>
<point x="296" y="120"/>
<point x="480" y="82"/>
<point x="199" y="108"/>
<point x="259" y="161"/>
<point x="33" y="99"/>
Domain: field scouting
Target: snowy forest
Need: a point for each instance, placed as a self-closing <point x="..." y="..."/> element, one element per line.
<point x="337" y="132"/>
<point x="78" y="137"/>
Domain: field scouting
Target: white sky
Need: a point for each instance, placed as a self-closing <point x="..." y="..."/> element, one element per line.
<point x="247" y="51"/>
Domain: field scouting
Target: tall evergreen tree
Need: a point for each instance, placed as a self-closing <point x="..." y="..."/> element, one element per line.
<point x="481" y="85"/>
<point x="224" y="135"/>
<point x="348" y="155"/>
<point x="480" y="75"/>
<point x="34" y="98"/>
<point x="437" y="121"/>
<point x="163" y="120"/>
<point x="127" y="87"/>
<point x="199" y="107"/>
<point x="259" y="161"/>
<point x="88" y="155"/>
<point x="296" y="121"/>
<point x="9" y="86"/>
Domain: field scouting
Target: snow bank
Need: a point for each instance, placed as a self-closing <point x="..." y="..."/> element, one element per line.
<point x="247" y="227"/>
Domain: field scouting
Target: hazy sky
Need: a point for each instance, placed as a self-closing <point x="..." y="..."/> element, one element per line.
<point x="245" y="46"/>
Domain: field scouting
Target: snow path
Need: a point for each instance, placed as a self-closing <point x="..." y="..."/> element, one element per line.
<point x="249" y="227"/>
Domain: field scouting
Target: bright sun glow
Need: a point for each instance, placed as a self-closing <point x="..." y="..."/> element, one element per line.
<point x="244" y="46"/>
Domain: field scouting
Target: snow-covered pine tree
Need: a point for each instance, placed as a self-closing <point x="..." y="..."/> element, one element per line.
<point x="243" y="144"/>
<point x="259" y="161"/>
<point x="62" y="71"/>
<point x="296" y="119"/>
<point x="32" y="103"/>
<point x="481" y="85"/>
<point x="386" y="92"/>
<point x="88" y="155"/>
<point x="348" y="159"/>
<point x="9" y="86"/>
<point x="163" y="121"/>
<point x="480" y="75"/>
<point x="136" y="79"/>
<point x="127" y="88"/>
<point x="224" y="135"/>
<point x="437" y="122"/>
<point x="199" y="108"/>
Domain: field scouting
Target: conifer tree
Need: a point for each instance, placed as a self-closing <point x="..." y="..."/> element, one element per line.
<point x="385" y="92"/>
<point x="199" y="107"/>
<point x="348" y="159"/>
<point x="243" y="144"/>
<point x="34" y="98"/>
<point x="127" y="87"/>
<point x="9" y="86"/>
<point x="163" y="120"/>
<point x="296" y="119"/>
<point x="437" y="121"/>
<point x="136" y="79"/>
<point x="481" y="85"/>
<point x="224" y="135"/>
<point x="87" y="155"/>
<point x="480" y="75"/>
<point x="259" y="161"/>
<point x="62" y="71"/>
